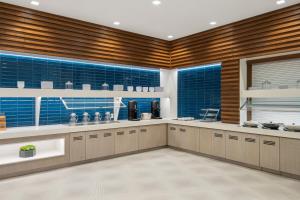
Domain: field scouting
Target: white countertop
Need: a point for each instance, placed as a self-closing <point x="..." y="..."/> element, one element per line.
<point x="21" y="132"/>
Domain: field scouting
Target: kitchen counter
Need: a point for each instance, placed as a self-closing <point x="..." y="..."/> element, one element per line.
<point x="21" y="132"/>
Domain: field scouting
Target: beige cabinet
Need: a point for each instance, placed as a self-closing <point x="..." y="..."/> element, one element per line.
<point x="107" y="142"/>
<point x="93" y="145"/>
<point x="173" y="135"/>
<point x="77" y="147"/>
<point x="269" y="152"/>
<point x="251" y="149"/>
<point x="290" y="156"/>
<point x="132" y="139"/>
<point x="205" y="141"/>
<point x="189" y="138"/>
<point x="218" y="144"/>
<point x="120" y="141"/>
<point x="152" y="136"/>
<point x="234" y="146"/>
<point x="126" y="140"/>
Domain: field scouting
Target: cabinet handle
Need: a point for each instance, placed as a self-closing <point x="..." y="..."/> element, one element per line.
<point x="78" y="138"/>
<point x="252" y="140"/>
<point x="172" y="128"/>
<point x="271" y="143"/>
<point x="107" y="134"/>
<point x="143" y="130"/>
<point x="93" y="136"/>
<point x="219" y="135"/>
<point x="132" y="131"/>
<point x="182" y="130"/>
<point x="120" y="133"/>
<point x="233" y="137"/>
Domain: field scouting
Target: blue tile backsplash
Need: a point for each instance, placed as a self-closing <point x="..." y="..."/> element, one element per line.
<point x="33" y="70"/>
<point x="198" y="88"/>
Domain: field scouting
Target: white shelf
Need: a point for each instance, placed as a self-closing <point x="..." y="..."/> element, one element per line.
<point x="15" y="92"/>
<point x="9" y="153"/>
<point x="271" y="93"/>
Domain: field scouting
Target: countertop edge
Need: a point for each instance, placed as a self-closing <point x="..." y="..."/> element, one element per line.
<point x="24" y="132"/>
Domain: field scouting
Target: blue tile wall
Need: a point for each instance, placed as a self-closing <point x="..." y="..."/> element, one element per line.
<point x="33" y="70"/>
<point x="198" y="88"/>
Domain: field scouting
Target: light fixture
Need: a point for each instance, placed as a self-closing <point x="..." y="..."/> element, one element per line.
<point x="156" y="2"/>
<point x="117" y="23"/>
<point x="35" y="3"/>
<point x="213" y="23"/>
<point x="170" y="36"/>
<point x="279" y="2"/>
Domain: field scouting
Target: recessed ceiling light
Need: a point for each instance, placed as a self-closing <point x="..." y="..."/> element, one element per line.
<point x="156" y="2"/>
<point x="213" y="23"/>
<point x="279" y="2"/>
<point x="170" y="36"/>
<point x="35" y="3"/>
<point x="117" y="23"/>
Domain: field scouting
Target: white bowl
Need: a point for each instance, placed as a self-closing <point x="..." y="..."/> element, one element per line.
<point x="151" y="89"/>
<point x="130" y="88"/>
<point x="145" y="89"/>
<point x="138" y="88"/>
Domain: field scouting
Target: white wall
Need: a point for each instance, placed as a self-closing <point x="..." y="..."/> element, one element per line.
<point x="168" y="80"/>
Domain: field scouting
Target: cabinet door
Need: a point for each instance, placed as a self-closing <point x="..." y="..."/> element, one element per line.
<point x="251" y="149"/>
<point x="218" y="144"/>
<point x="162" y="130"/>
<point x="234" y="146"/>
<point x="132" y="138"/>
<point x="289" y="156"/>
<point x="107" y="143"/>
<point x="93" y="145"/>
<point x="205" y="138"/>
<point x="145" y="140"/>
<point x="121" y="145"/>
<point x="172" y="132"/>
<point x="77" y="147"/>
<point x="189" y="137"/>
<point x="269" y="152"/>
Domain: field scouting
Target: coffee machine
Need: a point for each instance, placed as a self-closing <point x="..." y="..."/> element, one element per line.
<point x="132" y="111"/>
<point x="155" y="109"/>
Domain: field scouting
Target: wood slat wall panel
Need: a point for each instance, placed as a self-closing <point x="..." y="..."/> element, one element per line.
<point x="274" y="32"/>
<point x="30" y="31"/>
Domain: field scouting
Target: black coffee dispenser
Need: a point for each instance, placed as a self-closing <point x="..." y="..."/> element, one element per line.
<point x="155" y="109"/>
<point x="132" y="111"/>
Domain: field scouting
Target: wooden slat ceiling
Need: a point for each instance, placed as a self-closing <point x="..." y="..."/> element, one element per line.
<point x="26" y="30"/>
<point x="274" y="32"/>
<point x="30" y="31"/>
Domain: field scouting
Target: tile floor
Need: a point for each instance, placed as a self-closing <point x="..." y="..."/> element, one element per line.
<point x="157" y="175"/>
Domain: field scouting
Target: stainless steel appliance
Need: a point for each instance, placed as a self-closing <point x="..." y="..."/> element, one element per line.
<point x="132" y="111"/>
<point x="73" y="119"/>
<point x="97" y="118"/>
<point x="155" y="109"/>
<point x="86" y="118"/>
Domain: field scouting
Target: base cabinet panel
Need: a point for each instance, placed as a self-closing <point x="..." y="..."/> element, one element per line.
<point x="152" y="136"/>
<point x="189" y="138"/>
<point x="107" y="144"/>
<point x="120" y="141"/>
<point x="93" y="145"/>
<point x="205" y="141"/>
<point x="251" y="149"/>
<point x="290" y="156"/>
<point x="219" y="144"/>
<point x="173" y="136"/>
<point x="132" y="139"/>
<point x="77" y="147"/>
<point x="269" y="152"/>
<point x="234" y="146"/>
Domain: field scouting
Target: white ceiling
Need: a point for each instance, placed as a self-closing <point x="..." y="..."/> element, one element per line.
<point x="173" y="17"/>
